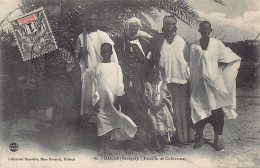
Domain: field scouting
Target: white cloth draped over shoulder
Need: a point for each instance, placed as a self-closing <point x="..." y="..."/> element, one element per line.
<point x="94" y="41"/>
<point x="213" y="79"/>
<point x="176" y="69"/>
<point x="109" y="82"/>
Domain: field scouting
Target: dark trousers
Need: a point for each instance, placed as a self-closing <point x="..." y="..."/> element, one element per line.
<point x="216" y="119"/>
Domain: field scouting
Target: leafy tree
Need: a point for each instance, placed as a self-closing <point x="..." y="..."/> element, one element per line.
<point x="68" y="16"/>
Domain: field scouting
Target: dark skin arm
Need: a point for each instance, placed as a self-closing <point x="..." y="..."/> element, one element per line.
<point x="118" y="101"/>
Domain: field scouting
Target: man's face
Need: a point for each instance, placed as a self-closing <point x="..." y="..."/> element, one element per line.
<point x="106" y="52"/>
<point x="169" y="35"/>
<point x="92" y="22"/>
<point x="154" y="76"/>
<point x="205" y="30"/>
<point x="133" y="29"/>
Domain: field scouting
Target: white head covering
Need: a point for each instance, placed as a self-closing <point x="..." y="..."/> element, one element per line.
<point x="140" y="32"/>
<point x="132" y="20"/>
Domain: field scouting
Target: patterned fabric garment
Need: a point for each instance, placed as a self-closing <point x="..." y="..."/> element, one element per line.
<point x="132" y="105"/>
<point x="58" y="63"/>
<point x="61" y="75"/>
<point x="134" y="70"/>
<point x="160" y="110"/>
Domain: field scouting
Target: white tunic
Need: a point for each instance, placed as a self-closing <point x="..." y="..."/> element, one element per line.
<point x="176" y="69"/>
<point x="94" y="41"/>
<point x="213" y="86"/>
<point x="109" y="82"/>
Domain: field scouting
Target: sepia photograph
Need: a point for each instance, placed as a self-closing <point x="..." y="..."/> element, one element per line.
<point x="129" y="83"/>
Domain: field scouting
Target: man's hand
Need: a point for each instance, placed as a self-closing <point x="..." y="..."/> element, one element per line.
<point x="91" y="72"/>
<point x="96" y="107"/>
<point x="221" y="64"/>
<point x="117" y="102"/>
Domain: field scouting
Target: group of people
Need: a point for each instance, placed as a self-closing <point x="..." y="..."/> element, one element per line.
<point x="159" y="92"/>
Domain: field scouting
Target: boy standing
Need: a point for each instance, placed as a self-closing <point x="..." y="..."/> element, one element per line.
<point x="89" y="54"/>
<point x="112" y="124"/>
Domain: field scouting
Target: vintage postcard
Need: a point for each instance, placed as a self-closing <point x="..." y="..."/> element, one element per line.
<point x="129" y="83"/>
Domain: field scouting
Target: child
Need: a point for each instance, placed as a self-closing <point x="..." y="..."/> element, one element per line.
<point x="157" y="99"/>
<point x="112" y="124"/>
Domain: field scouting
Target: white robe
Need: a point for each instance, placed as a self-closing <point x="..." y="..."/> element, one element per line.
<point x="213" y="86"/>
<point x="109" y="82"/>
<point x="94" y="41"/>
<point x="176" y="69"/>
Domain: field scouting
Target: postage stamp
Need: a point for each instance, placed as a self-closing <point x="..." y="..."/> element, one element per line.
<point x="33" y="34"/>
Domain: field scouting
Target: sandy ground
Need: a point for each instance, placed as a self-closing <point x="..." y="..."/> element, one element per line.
<point x="241" y="136"/>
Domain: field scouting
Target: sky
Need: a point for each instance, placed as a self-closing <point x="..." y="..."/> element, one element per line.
<point x="238" y="19"/>
<point x="6" y="6"/>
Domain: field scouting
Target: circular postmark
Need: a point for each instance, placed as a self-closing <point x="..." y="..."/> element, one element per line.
<point x="13" y="147"/>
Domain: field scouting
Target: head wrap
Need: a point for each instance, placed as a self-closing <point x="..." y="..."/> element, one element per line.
<point x="169" y="22"/>
<point x="132" y="20"/>
<point x="140" y="32"/>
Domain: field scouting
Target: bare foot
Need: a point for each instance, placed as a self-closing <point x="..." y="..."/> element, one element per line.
<point x="219" y="143"/>
<point x="128" y="151"/>
<point x="153" y="151"/>
<point x="178" y="144"/>
<point x="165" y="149"/>
<point x="101" y="152"/>
<point x="108" y="152"/>
<point x="146" y="151"/>
<point x="199" y="144"/>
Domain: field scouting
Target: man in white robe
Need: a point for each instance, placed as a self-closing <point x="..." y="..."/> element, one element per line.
<point x="91" y="41"/>
<point x="173" y="54"/>
<point x="213" y="69"/>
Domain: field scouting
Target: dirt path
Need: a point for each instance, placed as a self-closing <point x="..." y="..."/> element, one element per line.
<point x="241" y="136"/>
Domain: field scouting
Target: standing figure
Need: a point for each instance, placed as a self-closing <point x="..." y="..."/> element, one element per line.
<point x="135" y="59"/>
<point x="61" y="87"/>
<point x="112" y="124"/>
<point x="170" y="51"/>
<point x="214" y="69"/>
<point x="88" y="50"/>
<point x="159" y="105"/>
<point x="136" y="54"/>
